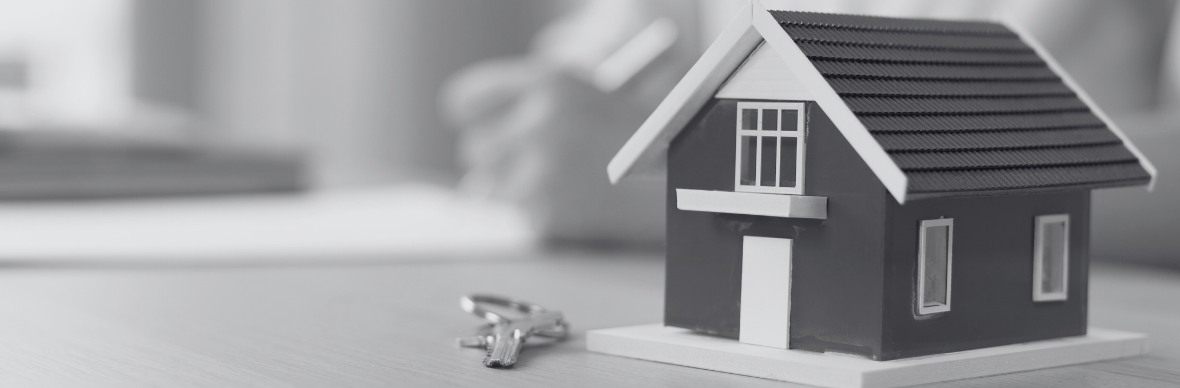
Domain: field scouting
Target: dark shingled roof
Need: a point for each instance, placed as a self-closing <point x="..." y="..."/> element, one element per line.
<point x="962" y="107"/>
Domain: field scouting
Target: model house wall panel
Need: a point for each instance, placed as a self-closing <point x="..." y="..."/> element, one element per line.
<point x="703" y="287"/>
<point x="764" y="75"/>
<point x="992" y="274"/>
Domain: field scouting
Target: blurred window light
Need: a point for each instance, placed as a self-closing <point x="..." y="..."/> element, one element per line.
<point x="64" y="63"/>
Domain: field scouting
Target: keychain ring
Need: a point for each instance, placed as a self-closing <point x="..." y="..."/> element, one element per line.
<point x="472" y="304"/>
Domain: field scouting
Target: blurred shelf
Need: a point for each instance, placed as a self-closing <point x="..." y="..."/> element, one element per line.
<point x="63" y="165"/>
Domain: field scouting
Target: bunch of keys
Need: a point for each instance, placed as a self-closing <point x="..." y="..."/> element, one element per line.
<point x="503" y="337"/>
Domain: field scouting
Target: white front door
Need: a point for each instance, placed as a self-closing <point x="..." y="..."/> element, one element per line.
<point x="766" y="292"/>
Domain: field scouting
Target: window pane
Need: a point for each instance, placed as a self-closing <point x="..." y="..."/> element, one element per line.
<point x="748" y="159"/>
<point x="1053" y="274"/>
<point x="769" y="119"/>
<point x="934" y="292"/>
<point x="790" y="120"/>
<point x="749" y="119"/>
<point x="787" y="176"/>
<point x="769" y="159"/>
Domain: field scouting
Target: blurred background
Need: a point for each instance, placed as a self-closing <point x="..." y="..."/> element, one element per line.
<point x="316" y="129"/>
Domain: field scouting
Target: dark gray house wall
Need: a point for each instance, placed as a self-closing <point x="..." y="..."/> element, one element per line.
<point x="838" y="263"/>
<point x="854" y="274"/>
<point x="992" y="274"/>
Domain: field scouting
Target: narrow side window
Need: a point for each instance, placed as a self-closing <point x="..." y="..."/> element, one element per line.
<point x="1051" y="258"/>
<point x="935" y="243"/>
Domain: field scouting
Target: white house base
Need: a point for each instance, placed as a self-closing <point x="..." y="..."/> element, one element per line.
<point x="682" y="347"/>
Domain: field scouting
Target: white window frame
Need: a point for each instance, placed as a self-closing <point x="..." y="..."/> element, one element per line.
<point x="1039" y="259"/>
<point x="950" y="245"/>
<point x="759" y="134"/>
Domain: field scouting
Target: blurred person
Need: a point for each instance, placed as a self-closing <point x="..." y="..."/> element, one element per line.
<point x="536" y="130"/>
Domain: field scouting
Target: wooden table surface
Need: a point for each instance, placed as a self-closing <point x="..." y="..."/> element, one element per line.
<point x="392" y="323"/>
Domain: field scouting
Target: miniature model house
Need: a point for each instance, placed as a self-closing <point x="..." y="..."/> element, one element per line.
<point x="881" y="187"/>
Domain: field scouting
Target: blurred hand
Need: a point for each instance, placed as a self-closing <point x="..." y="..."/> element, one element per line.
<point x="539" y="131"/>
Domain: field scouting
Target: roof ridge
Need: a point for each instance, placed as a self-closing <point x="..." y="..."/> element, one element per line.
<point x="911" y="105"/>
<point x="987" y="130"/>
<point x="983" y="28"/>
<point x="922" y="79"/>
<point x="1030" y="111"/>
<point x="917" y="192"/>
<point x="922" y="47"/>
<point x="994" y="141"/>
<point x="1132" y="160"/>
<point x="942" y="80"/>
<point x="957" y="96"/>
<point x="1102" y="143"/>
<point x="895" y="30"/>
<point x="838" y="51"/>
<point x="914" y="71"/>
<point x="922" y="62"/>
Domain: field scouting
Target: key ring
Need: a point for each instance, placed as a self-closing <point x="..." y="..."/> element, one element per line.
<point x="471" y="303"/>
<point x="503" y="337"/>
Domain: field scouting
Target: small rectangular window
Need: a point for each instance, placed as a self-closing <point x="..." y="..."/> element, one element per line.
<point x="1051" y="258"/>
<point x="771" y="143"/>
<point x="935" y="245"/>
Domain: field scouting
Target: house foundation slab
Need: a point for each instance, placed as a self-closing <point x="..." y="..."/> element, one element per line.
<point x="671" y="345"/>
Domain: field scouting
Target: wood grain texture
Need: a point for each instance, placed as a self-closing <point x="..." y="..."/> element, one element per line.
<point x="393" y="323"/>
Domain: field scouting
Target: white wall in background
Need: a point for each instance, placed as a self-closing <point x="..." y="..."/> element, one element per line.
<point x="76" y="56"/>
<point x="248" y="72"/>
<point x="354" y="82"/>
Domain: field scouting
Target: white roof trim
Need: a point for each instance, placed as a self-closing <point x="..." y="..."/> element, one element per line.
<point x="650" y="142"/>
<point x="849" y="125"/>
<point x="748" y="29"/>
<point x="1044" y="54"/>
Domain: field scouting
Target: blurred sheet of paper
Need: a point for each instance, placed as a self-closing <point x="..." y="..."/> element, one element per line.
<point x="404" y="222"/>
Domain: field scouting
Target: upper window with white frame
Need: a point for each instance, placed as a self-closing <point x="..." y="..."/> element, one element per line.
<point x="1051" y="258"/>
<point x="935" y="243"/>
<point x="770" y="147"/>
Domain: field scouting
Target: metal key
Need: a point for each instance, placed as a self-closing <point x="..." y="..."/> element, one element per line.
<point x="505" y="337"/>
